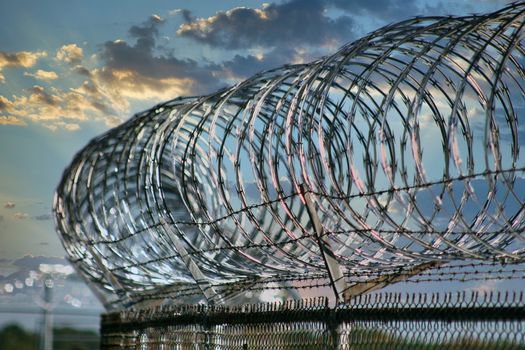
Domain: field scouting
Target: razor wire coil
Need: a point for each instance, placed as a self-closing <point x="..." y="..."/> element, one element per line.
<point x="407" y="141"/>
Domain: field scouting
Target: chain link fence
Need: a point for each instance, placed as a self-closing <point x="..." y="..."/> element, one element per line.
<point x="380" y="321"/>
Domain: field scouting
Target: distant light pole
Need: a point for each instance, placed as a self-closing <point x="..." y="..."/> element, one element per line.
<point x="47" y="315"/>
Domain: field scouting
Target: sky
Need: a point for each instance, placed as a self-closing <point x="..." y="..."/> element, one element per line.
<point x="69" y="70"/>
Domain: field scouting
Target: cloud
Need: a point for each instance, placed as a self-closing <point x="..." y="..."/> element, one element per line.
<point x="383" y="9"/>
<point x="156" y="18"/>
<point x="56" y="108"/>
<point x="175" y="12"/>
<point x="241" y="67"/>
<point x="137" y="71"/>
<point x="21" y="216"/>
<point x="4" y="103"/>
<point x="70" y="53"/>
<point x="122" y="72"/>
<point x="9" y="205"/>
<point x="72" y="127"/>
<point x="11" y="120"/>
<point x="486" y="286"/>
<point x="22" y="59"/>
<point x="290" y="23"/>
<point x="39" y="95"/>
<point x="80" y="70"/>
<point x="42" y="75"/>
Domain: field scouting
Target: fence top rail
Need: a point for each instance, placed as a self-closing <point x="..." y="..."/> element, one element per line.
<point x="446" y="307"/>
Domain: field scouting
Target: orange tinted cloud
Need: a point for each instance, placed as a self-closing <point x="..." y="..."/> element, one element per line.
<point x="42" y="75"/>
<point x="22" y="59"/>
<point x="70" y="53"/>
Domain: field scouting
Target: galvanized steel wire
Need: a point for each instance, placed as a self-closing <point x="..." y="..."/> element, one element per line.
<point x="407" y="141"/>
<point x="380" y="321"/>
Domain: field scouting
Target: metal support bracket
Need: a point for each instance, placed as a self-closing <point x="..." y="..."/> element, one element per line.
<point x="335" y="272"/>
<point x="383" y="281"/>
<point x="205" y="286"/>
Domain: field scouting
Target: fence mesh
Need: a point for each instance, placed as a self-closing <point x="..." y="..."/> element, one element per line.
<point x="379" y="321"/>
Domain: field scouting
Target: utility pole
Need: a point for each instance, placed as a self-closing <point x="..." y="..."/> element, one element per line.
<point x="47" y="315"/>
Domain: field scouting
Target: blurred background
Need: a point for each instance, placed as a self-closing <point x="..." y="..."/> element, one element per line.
<point x="44" y="305"/>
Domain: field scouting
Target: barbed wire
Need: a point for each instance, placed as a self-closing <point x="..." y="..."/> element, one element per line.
<point x="400" y="149"/>
<point x="465" y="273"/>
<point x="359" y="195"/>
